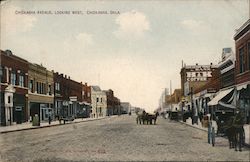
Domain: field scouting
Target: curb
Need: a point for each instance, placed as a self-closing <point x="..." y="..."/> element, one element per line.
<point x="193" y="126"/>
<point x="46" y="126"/>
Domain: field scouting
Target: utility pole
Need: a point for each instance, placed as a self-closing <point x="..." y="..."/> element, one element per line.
<point x="170" y="96"/>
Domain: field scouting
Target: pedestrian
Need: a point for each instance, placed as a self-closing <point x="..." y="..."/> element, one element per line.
<point x="238" y="123"/>
<point x="49" y="117"/>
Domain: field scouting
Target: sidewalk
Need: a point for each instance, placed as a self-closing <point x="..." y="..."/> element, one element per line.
<point x="28" y="125"/>
<point x="199" y="126"/>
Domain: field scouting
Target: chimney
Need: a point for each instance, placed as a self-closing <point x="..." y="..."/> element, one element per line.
<point x="66" y="76"/>
<point x="196" y="64"/>
<point x="8" y="52"/>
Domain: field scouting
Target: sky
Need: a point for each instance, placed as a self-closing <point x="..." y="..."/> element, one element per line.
<point x="135" y="52"/>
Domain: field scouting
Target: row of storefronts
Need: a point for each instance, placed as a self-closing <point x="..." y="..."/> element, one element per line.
<point x="217" y="89"/>
<point x="29" y="89"/>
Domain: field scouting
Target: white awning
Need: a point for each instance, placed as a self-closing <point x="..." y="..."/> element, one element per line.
<point x="208" y="95"/>
<point x="84" y="103"/>
<point x="219" y="96"/>
<point x="242" y="86"/>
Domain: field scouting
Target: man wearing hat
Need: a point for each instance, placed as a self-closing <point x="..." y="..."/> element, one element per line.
<point x="238" y="123"/>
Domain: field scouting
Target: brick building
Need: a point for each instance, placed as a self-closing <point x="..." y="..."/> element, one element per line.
<point x="86" y="93"/>
<point x="14" y="82"/>
<point x="68" y="96"/>
<point x="242" y="69"/>
<point x="195" y="76"/>
<point x="110" y="102"/>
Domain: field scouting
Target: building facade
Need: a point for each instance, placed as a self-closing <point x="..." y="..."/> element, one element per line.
<point x="14" y="83"/>
<point x="110" y="102"/>
<point x="125" y="107"/>
<point x="195" y="76"/>
<point x="242" y="69"/>
<point x="41" y="92"/>
<point x="227" y="68"/>
<point x="68" y="96"/>
<point x="98" y="102"/>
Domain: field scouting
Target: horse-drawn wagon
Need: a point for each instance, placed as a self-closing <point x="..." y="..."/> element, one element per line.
<point x="146" y="118"/>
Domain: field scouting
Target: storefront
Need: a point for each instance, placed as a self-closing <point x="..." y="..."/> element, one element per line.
<point x="244" y="100"/>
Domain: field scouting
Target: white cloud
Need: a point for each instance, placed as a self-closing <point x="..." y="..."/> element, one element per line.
<point x="132" y="24"/>
<point x="78" y="43"/>
<point x="84" y="38"/>
<point x="12" y="22"/>
<point x="192" y="24"/>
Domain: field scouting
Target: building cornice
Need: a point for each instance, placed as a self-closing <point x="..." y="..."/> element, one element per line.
<point x="240" y="31"/>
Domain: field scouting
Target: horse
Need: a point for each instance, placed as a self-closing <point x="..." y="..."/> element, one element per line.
<point x="141" y="118"/>
<point x="146" y="118"/>
<point x="234" y="132"/>
<point x="152" y="118"/>
<point x="230" y="132"/>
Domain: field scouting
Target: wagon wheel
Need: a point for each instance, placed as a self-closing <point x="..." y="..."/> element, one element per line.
<point x="213" y="136"/>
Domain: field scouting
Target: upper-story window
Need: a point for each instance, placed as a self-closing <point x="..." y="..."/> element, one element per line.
<point x="97" y="99"/>
<point x="49" y="90"/>
<point x="101" y="99"/>
<point x="88" y="94"/>
<point x="31" y="86"/>
<point x="41" y="88"/>
<point x="13" y="78"/>
<point x="241" y="60"/>
<point x="21" y="80"/>
<point x="57" y="86"/>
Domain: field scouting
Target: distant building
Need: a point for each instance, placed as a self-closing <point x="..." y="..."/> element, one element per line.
<point x="98" y="102"/>
<point x="86" y="93"/>
<point x="113" y="103"/>
<point x="227" y="68"/>
<point x="125" y="107"/>
<point x="14" y="89"/>
<point x="194" y="77"/>
<point x="173" y="100"/>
